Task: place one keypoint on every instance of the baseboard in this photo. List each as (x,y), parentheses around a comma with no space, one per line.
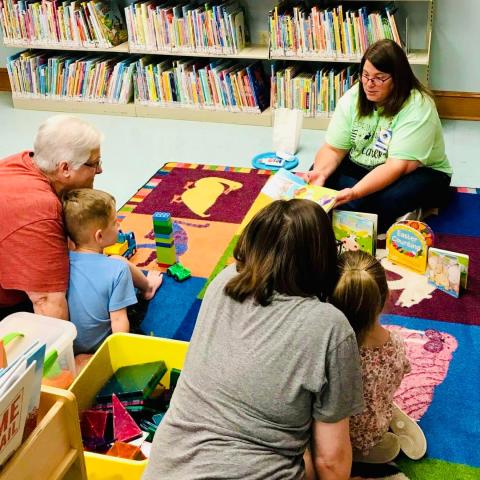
(453,105)
(458,105)
(4,81)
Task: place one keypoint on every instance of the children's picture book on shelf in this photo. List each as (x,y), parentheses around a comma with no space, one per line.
(355,230)
(408,242)
(447,270)
(15,393)
(285,185)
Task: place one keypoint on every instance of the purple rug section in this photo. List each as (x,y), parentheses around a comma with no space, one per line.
(441,306)
(220,196)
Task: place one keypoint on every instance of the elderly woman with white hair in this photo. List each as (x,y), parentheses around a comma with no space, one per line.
(33,244)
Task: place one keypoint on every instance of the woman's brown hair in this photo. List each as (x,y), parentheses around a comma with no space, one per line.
(388,57)
(288,247)
(361,291)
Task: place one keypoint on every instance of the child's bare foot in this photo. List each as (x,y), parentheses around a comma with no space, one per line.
(154,280)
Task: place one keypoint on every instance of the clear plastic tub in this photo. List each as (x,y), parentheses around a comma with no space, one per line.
(58,335)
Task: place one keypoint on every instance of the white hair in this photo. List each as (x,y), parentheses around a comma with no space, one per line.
(64,138)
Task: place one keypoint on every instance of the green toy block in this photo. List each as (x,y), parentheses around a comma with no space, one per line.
(166,256)
(162,229)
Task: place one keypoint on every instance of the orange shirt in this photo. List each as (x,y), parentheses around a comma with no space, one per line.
(33,246)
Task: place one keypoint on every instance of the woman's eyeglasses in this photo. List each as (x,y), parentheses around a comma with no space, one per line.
(377,81)
(96,165)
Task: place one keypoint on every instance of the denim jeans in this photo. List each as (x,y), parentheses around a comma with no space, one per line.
(422,188)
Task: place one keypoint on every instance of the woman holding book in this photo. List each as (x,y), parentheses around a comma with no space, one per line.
(271,367)
(384,147)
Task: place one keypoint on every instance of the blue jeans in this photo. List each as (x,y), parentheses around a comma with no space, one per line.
(422,188)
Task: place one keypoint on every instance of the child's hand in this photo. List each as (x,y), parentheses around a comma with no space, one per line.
(154,280)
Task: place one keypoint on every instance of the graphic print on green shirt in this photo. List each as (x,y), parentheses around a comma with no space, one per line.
(415,133)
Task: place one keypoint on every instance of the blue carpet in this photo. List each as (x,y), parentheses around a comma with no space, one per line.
(170,306)
(185,329)
(460,217)
(451,423)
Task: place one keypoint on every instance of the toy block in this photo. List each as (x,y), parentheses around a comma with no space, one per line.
(166,256)
(93,424)
(166,244)
(174,376)
(162,236)
(125,450)
(124,427)
(162,229)
(162,217)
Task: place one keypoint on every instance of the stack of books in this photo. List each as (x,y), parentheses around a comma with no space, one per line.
(20,381)
(95,78)
(68,23)
(192,83)
(331,33)
(316,93)
(186,27)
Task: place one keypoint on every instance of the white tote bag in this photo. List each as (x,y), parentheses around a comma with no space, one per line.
(287,124)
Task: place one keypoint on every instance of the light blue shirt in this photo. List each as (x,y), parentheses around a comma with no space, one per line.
(98,285)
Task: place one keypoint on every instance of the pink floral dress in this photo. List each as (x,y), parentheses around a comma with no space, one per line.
(383,369)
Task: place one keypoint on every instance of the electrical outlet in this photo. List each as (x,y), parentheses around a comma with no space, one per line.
(264,37)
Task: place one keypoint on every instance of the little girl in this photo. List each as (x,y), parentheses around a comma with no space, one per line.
(360,294)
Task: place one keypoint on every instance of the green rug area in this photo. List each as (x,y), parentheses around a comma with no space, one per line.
(222,263)
(431,469)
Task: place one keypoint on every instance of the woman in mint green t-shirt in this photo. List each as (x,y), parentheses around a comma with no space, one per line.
(384,147)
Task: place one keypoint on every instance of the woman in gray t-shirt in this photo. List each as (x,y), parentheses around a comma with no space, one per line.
(270,367)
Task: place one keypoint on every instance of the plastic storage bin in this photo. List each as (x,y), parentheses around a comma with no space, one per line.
(54,449)
(120,350)
(56,334)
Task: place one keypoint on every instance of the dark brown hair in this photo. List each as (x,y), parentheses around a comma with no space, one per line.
(84,209)
(388,57)
(288,247)
(361,291)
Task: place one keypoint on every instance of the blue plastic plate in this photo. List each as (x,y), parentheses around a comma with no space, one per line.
(258,161)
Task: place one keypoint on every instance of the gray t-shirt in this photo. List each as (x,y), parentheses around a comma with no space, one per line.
(252,381)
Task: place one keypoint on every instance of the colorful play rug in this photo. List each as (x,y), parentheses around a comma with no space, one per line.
(208,204)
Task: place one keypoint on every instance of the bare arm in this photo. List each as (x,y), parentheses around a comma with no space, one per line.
(327,160)
(331,450)
(119,321)
(148,284)
(51,304)
(379,178)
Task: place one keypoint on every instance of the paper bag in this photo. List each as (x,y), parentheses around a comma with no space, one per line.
(287,124)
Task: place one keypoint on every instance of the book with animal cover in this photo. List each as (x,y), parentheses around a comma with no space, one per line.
(15,392)
(285,185)
(111,21)
(355,230)
(447,271)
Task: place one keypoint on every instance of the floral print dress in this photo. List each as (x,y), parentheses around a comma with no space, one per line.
(383,369)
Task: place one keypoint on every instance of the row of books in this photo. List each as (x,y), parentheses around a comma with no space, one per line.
(217,29)
(101,78)
(315,93)
(331,33)
(218,85)
(69,23)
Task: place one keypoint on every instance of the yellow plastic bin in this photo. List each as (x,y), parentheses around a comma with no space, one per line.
(120,350)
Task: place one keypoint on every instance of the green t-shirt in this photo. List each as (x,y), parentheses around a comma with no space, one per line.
(415,133)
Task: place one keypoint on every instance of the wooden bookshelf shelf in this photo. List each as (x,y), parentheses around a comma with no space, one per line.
(263,119)
(122,48)
(416,57)
(74,106)
(254,52)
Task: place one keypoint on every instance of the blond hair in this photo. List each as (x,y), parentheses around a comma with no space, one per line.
(85,209)
(361,291)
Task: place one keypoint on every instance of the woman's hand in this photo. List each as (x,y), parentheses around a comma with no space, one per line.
(315,177)
(344,196)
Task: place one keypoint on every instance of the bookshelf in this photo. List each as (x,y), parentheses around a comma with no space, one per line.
(415,19)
